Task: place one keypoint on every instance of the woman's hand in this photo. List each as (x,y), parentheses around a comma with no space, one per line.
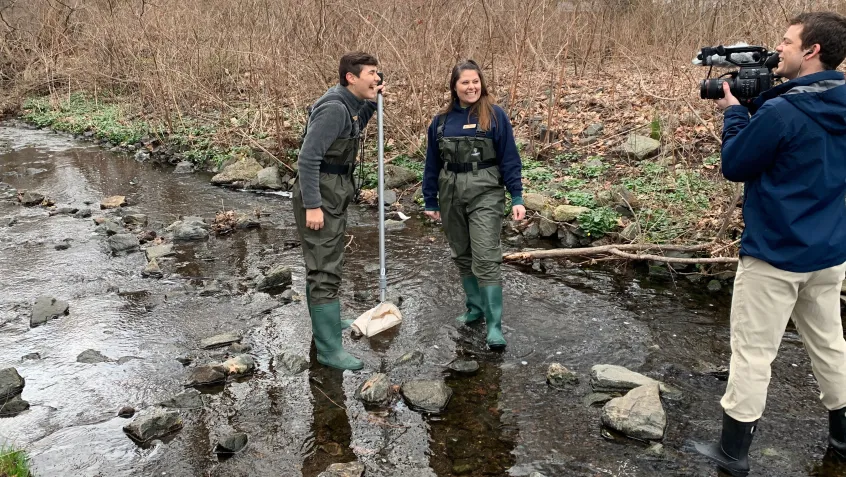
(518,212)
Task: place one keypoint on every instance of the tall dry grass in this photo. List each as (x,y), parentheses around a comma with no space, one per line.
(176,58)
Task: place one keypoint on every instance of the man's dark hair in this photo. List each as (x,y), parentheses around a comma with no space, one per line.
(353,63)
(828,29)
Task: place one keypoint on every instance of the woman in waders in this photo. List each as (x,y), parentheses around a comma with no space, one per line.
(470,161)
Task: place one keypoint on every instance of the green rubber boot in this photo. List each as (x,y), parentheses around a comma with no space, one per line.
(473,301)
(492,300)
(344,323)
(326,328)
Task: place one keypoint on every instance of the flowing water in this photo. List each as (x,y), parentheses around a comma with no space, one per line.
(504,420)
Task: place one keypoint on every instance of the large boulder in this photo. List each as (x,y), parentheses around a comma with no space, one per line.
(638,414)
(244,170)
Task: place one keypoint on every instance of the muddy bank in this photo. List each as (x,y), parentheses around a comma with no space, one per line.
(504,419)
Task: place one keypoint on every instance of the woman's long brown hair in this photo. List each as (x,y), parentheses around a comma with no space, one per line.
(483,108)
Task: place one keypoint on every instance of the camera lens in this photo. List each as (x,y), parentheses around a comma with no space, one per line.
(711,89)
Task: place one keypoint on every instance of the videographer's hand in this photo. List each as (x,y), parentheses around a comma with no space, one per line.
(728,99)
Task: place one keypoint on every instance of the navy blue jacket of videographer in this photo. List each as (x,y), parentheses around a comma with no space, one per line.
(792,156)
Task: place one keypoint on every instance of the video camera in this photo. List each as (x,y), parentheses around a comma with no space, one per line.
(754,76)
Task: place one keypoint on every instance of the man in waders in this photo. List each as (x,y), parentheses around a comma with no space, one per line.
(323,190)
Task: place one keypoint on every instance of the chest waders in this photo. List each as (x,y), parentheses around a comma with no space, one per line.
(471,196)
(323,250)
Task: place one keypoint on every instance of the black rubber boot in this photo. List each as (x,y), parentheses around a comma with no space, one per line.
(837,431)
(731,454)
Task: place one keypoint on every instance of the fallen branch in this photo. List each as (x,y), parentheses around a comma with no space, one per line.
(583,252)
(660,258)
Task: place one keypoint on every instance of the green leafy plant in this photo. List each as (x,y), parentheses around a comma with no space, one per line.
(598,222)
(13,462)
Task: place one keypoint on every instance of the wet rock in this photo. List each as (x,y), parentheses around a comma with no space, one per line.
(65,211)
(113,202)
(187,399)
(612,378)
(290,363)
(375,389)
(239,365)
(568,213)
(240,348)
(63,244)
(276,279)
(188,229)
(231,444)
(207,375)
(394,224)
(141,156)
(91,356)
(11,383)
(396,176)
(287,296)
(126,412)
(184,167)
(185,360)
(152,270)
(31,199)
(269,178)
(30,356)
(244,170)
(135,219)
(640,147)
(244,222)
(714,286)
(465,367)
(594,399)
(47,308)
(146,236)
(412,357)
(158,251)
(12,407)
(12,221)
(125,359)
(123,244)
(350,469)
(427,395)
(108,228)
(153,423)
(638,414)
(220,340)
(560,377)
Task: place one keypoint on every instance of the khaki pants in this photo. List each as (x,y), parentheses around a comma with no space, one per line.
(764,299)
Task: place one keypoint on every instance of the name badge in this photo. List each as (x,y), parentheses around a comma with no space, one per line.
(469,126)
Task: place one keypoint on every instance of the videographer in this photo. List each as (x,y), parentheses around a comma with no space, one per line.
(791,155)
